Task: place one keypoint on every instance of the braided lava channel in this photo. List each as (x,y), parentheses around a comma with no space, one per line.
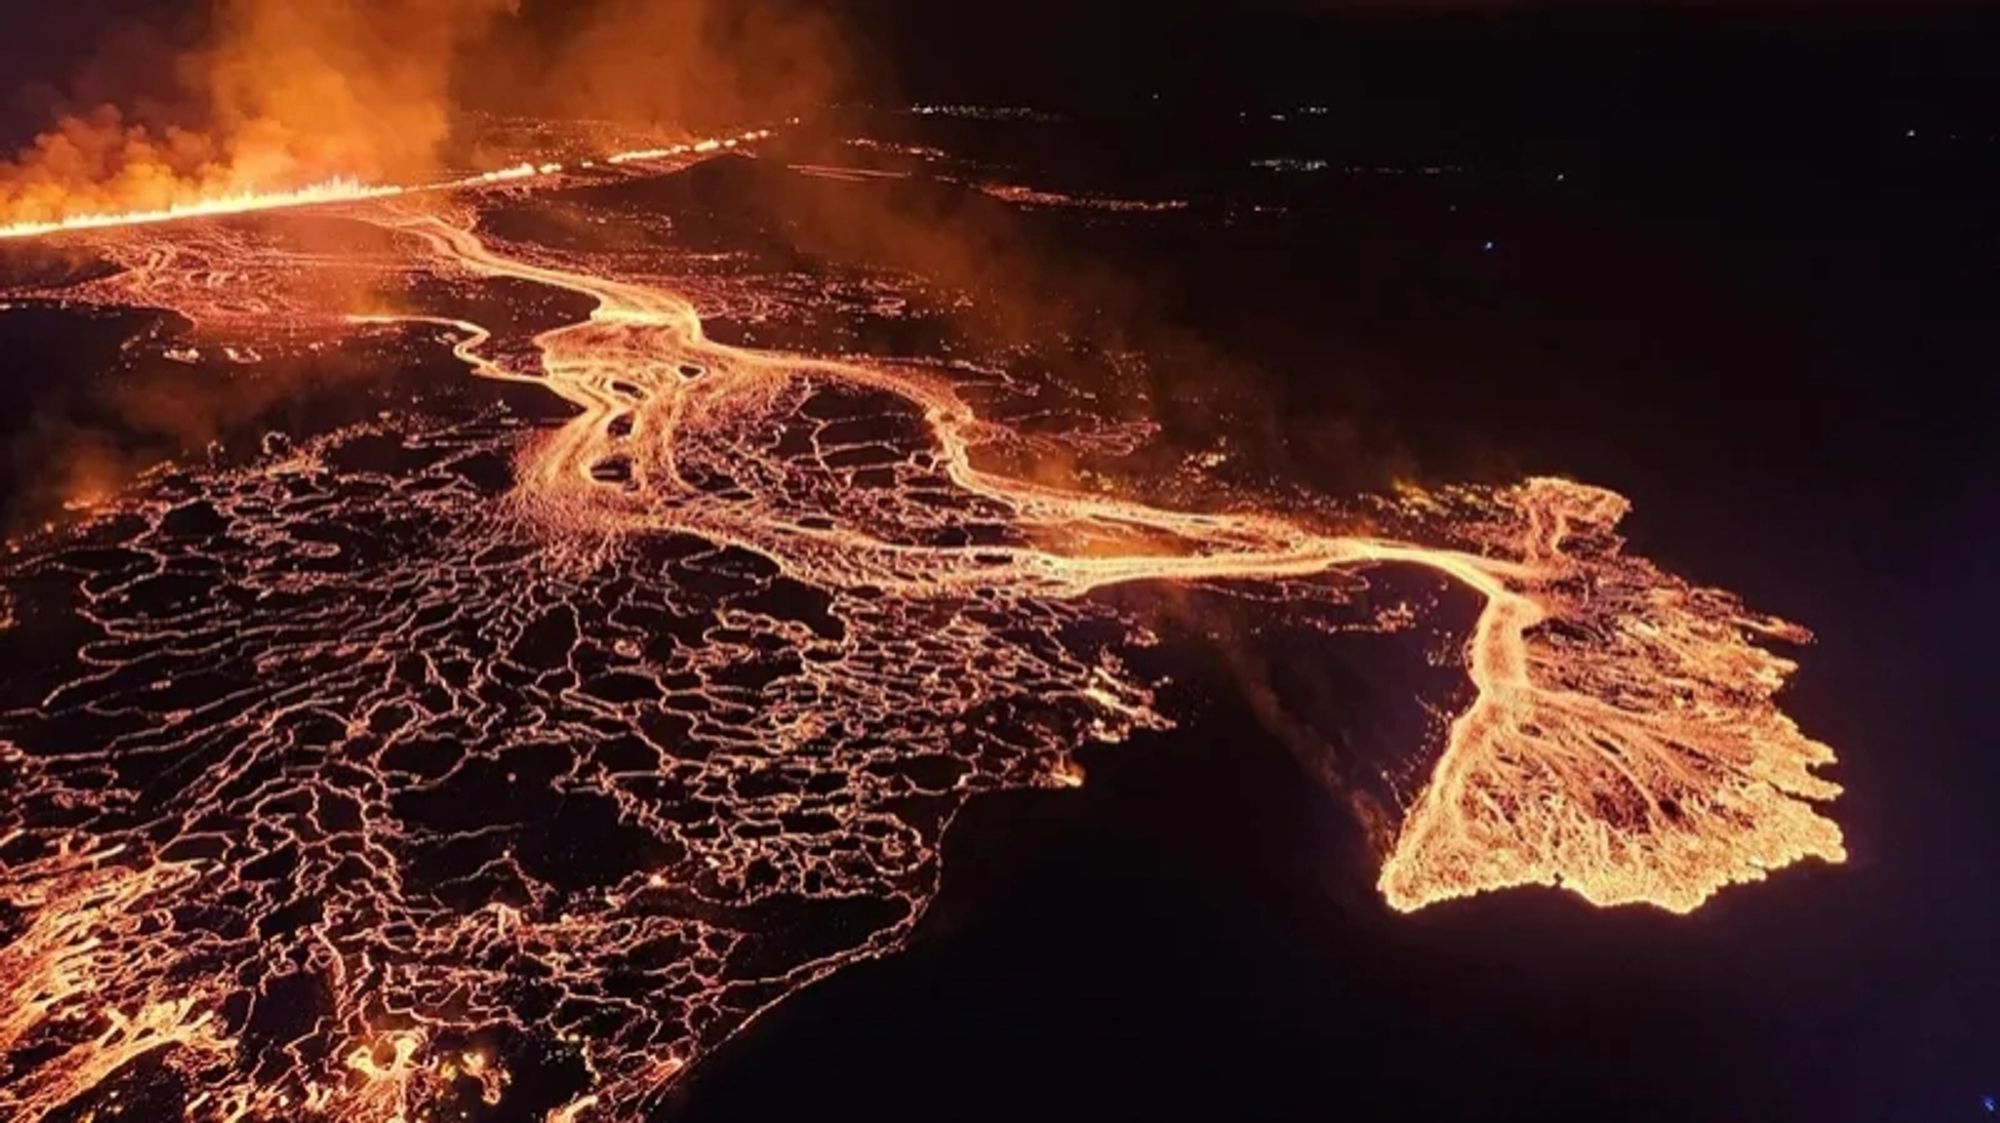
(1652,677)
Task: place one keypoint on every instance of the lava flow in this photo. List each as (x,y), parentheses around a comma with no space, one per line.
(466,759)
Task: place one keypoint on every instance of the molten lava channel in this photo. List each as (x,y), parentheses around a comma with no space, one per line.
(754,624)
(1665,696)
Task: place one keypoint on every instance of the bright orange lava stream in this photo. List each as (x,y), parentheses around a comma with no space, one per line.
(768,620)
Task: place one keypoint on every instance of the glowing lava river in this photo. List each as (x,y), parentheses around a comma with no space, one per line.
(430,764)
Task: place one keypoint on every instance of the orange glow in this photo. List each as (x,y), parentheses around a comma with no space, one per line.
(289,97)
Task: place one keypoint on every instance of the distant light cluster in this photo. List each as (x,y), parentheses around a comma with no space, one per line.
(986,112)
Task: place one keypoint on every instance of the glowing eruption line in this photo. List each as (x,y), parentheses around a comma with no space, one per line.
(331,191)
(345,190)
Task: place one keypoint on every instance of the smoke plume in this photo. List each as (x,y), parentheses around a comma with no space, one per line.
(283,94)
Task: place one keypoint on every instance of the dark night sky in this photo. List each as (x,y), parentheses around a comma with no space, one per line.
(922,41)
